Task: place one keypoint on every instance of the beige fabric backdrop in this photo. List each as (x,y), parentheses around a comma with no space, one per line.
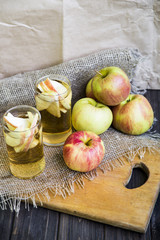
(41,33)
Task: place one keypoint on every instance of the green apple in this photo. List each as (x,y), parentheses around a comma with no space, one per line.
(134,115)
(111,86)
(89,115)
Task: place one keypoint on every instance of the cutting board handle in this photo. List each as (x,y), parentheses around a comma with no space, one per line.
(144,170)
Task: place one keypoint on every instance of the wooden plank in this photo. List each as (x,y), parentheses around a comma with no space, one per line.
(40,224)
(6,222)
(71,227)
(112,233)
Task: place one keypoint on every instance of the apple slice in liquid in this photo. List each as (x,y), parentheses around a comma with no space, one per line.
(30,116)
(48,96)
(29,136)
(54,108)
(50,88)
(62,109)
(16,125)
(16,137)
(46,86)
(34,143)
(14,122)
(12,141)
(60,89)
(66,102)
(9,125)
(52,85)
(44,100)
(41,104)
(43,87)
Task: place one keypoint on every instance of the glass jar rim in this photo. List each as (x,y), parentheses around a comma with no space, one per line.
(22,106)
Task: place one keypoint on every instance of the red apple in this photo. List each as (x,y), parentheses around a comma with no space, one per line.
(134,115)
(111,86)
(89,91)
(83,151)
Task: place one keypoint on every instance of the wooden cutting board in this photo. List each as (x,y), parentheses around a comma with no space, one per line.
(107,200)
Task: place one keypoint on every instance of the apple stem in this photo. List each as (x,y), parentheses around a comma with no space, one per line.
(98,72)
(88,143)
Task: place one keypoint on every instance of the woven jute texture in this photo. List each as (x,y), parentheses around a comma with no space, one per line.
(19,89)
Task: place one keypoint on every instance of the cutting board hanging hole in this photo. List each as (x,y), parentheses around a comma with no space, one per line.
(139,176)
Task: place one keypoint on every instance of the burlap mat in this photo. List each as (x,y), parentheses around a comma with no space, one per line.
(19,89)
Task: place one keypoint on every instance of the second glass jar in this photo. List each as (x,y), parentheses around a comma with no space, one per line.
(53,100)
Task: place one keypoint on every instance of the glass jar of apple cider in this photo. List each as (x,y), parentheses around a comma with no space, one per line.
(23,136)
(53,100)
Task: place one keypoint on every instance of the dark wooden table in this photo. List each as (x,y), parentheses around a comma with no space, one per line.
(44,224)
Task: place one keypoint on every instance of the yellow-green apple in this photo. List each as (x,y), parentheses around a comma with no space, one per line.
(134,115)
(89,115)
(111,86)
(83,151)
(89,92)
